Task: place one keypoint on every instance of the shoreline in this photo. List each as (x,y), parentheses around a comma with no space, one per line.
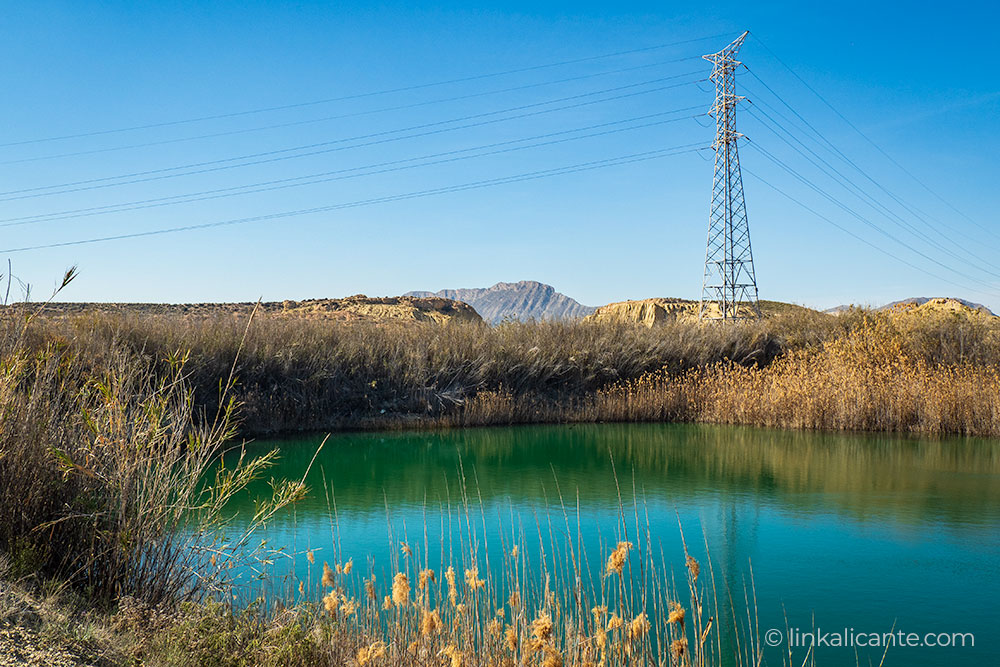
(114,422)
(929,374)
(419,425)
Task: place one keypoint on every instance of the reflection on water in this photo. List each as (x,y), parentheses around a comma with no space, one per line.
(841,530)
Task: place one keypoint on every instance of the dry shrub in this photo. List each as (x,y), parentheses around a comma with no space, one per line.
(860,370)
(934,376)
(299,374)
(108,477)
(870,379)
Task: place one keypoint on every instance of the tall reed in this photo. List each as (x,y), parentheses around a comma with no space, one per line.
(312,375)
(876,376)
(543,601)
(106,472)
(861,370)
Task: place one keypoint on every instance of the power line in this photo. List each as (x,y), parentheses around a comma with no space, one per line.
(400,107)
(355,96)
(802,179)
(913,210)
(517,178)
(823,140)
(910,208)
(875,145)
(859,192)
(90,184)
(856,236)
(340,174)
(857,215)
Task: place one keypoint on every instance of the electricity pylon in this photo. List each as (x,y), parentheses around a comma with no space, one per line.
(729,278)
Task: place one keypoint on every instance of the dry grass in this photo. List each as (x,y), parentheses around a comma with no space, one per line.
(455,617)
(308,375)
(545,605)
(873,378)
(108,476)
(621,609)
(933,377)
(861,371)
(108,484)
(112,425)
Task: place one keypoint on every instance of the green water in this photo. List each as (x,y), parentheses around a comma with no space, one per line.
(842,531)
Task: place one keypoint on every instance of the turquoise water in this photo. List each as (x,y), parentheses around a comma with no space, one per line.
(841,531)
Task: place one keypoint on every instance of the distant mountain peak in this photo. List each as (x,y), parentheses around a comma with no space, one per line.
(522,284)
(523,300)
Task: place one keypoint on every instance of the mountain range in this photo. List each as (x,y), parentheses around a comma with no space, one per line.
(524,300)
(532,300)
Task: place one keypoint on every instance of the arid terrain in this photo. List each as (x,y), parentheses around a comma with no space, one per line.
(113,412)
(359,308)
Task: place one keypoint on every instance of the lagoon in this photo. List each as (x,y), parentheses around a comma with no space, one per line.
(843,534)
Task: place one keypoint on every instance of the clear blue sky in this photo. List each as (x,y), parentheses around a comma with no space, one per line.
(915,78)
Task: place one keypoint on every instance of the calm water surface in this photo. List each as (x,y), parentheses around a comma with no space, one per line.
(841,531)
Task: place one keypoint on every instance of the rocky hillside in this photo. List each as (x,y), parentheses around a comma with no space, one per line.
(937,303)
(359,308)
(404,308)
(925,304)
(524,300)
(656,311)
(937,306)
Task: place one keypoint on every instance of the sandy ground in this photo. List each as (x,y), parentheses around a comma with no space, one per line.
(22,641)
(24,646)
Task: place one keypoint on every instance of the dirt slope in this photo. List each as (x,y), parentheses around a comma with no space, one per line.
(359,308)
(656,311)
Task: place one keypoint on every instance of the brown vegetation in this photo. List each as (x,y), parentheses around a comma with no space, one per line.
(926,370)
(112,425)
(631,613)
(300,374)
(106,470)
(873,378)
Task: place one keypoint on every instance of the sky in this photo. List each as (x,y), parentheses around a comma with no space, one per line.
(561,142)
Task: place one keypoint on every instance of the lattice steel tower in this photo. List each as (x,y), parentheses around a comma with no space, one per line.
(729,277)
